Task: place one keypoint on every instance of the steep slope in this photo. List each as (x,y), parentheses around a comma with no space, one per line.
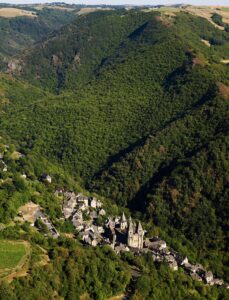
(19,33)
(151,78)
(142,119)
(69,57)
(84,129)
(47,266)
(72,56)
(178,178)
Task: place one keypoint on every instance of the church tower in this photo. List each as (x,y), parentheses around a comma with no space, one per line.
(123,224)
(130,235)
(135,235)
(140,236)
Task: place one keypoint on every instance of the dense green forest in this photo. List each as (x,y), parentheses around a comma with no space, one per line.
(132,106)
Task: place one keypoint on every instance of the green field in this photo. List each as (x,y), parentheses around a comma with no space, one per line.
(11,253)
(224,8)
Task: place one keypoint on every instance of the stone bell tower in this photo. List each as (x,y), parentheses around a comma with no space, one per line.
(140,233)
(123,224)
(130,235)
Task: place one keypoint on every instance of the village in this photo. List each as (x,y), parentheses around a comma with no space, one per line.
(95,228)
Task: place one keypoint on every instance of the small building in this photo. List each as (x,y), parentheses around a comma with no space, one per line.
(84,235)
(46,178)
(208,277)
(93,202)
(169,258)
(217,281)
(99,204)
(155,244)
(192,269)
(82,206)
(110,223)
(102,212)
(78,224)
(78,215)
(93,214)
(100,229)
(3,166)
(82,199)
(94,243)
(181,260)
(173,265)
(117,220)
(69,207)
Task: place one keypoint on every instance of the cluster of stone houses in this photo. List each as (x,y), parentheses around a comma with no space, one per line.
(125,235)
(160,252)
(118,232)
(84,212)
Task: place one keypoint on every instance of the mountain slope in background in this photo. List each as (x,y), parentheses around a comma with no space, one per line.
(19,32)
(74,55)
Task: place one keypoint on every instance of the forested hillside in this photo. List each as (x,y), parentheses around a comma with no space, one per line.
(19,32)
(133,106)
(75,54)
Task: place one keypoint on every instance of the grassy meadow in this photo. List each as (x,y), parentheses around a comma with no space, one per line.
(11,254)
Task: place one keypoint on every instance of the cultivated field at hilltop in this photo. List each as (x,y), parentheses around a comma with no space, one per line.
(201,11)
(42,6)
(88,10)
(10,12)
(207,12)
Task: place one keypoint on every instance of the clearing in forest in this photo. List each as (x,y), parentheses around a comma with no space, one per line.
(14,256)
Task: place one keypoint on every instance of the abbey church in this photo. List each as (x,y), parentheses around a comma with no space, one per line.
(125,232)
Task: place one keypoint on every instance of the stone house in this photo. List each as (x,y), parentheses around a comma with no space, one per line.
(181,260)
(217,281)
(99,204)
(192,269)
(208,277)
(69,207)
(102,212)
(47,178)
(93,202)
(155,244)
(173,265)
(82,199)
